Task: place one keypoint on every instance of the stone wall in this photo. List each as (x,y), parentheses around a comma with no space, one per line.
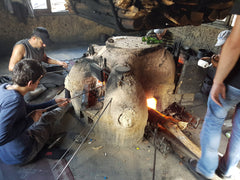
(199,37)
(63,29)
(72,29)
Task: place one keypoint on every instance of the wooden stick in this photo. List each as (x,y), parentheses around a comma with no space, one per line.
(160,118)
(174,129)
(171,125)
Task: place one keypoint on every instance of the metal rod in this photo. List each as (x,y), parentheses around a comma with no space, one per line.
(84,139)
(71,146)
(68,99)
(57,140)
(155,153)
(66,151)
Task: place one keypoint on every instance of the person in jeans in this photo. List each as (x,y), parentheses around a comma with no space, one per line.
(225,94)
(25,128)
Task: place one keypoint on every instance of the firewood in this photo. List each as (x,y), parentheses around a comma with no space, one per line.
(174,129)
(172,125)
(162,119)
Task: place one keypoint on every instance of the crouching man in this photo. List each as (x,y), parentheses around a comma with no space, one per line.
(23,134)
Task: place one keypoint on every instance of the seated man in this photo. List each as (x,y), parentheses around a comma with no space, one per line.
(33,48)
(24,129)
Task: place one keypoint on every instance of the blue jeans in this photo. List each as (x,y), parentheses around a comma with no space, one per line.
(211,135)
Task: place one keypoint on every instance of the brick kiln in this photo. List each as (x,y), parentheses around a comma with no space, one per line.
(128,71)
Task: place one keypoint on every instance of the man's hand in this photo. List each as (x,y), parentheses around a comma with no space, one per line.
(53,61)
(218,89)
(62,101)
(36,115)
(214,60)
(63,64)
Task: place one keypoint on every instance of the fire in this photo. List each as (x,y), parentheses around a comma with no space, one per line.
(152,103)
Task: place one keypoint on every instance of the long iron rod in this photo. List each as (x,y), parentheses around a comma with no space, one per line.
(70,146)
(155,153)
(84,139)
(66,151)
(68,99)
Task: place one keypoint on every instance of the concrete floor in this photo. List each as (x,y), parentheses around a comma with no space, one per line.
(96,159)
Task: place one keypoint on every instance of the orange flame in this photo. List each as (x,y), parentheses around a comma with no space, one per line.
(152,103)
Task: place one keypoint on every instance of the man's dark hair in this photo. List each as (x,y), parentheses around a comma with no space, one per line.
(27,70)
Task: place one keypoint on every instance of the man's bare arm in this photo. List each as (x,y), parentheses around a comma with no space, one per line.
(229,57)
(53,61)
(17,54)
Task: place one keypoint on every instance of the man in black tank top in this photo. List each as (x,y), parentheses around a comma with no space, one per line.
(33,48)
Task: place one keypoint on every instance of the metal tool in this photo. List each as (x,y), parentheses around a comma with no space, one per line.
(55,142)
(155,152)
(81,143)
(67,100)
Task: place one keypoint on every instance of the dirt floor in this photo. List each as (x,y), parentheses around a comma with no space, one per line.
(95,159)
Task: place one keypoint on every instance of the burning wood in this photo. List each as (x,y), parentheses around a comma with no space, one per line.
(161,120)
(174,126)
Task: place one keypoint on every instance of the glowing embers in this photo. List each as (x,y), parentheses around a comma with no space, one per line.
(152,103)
